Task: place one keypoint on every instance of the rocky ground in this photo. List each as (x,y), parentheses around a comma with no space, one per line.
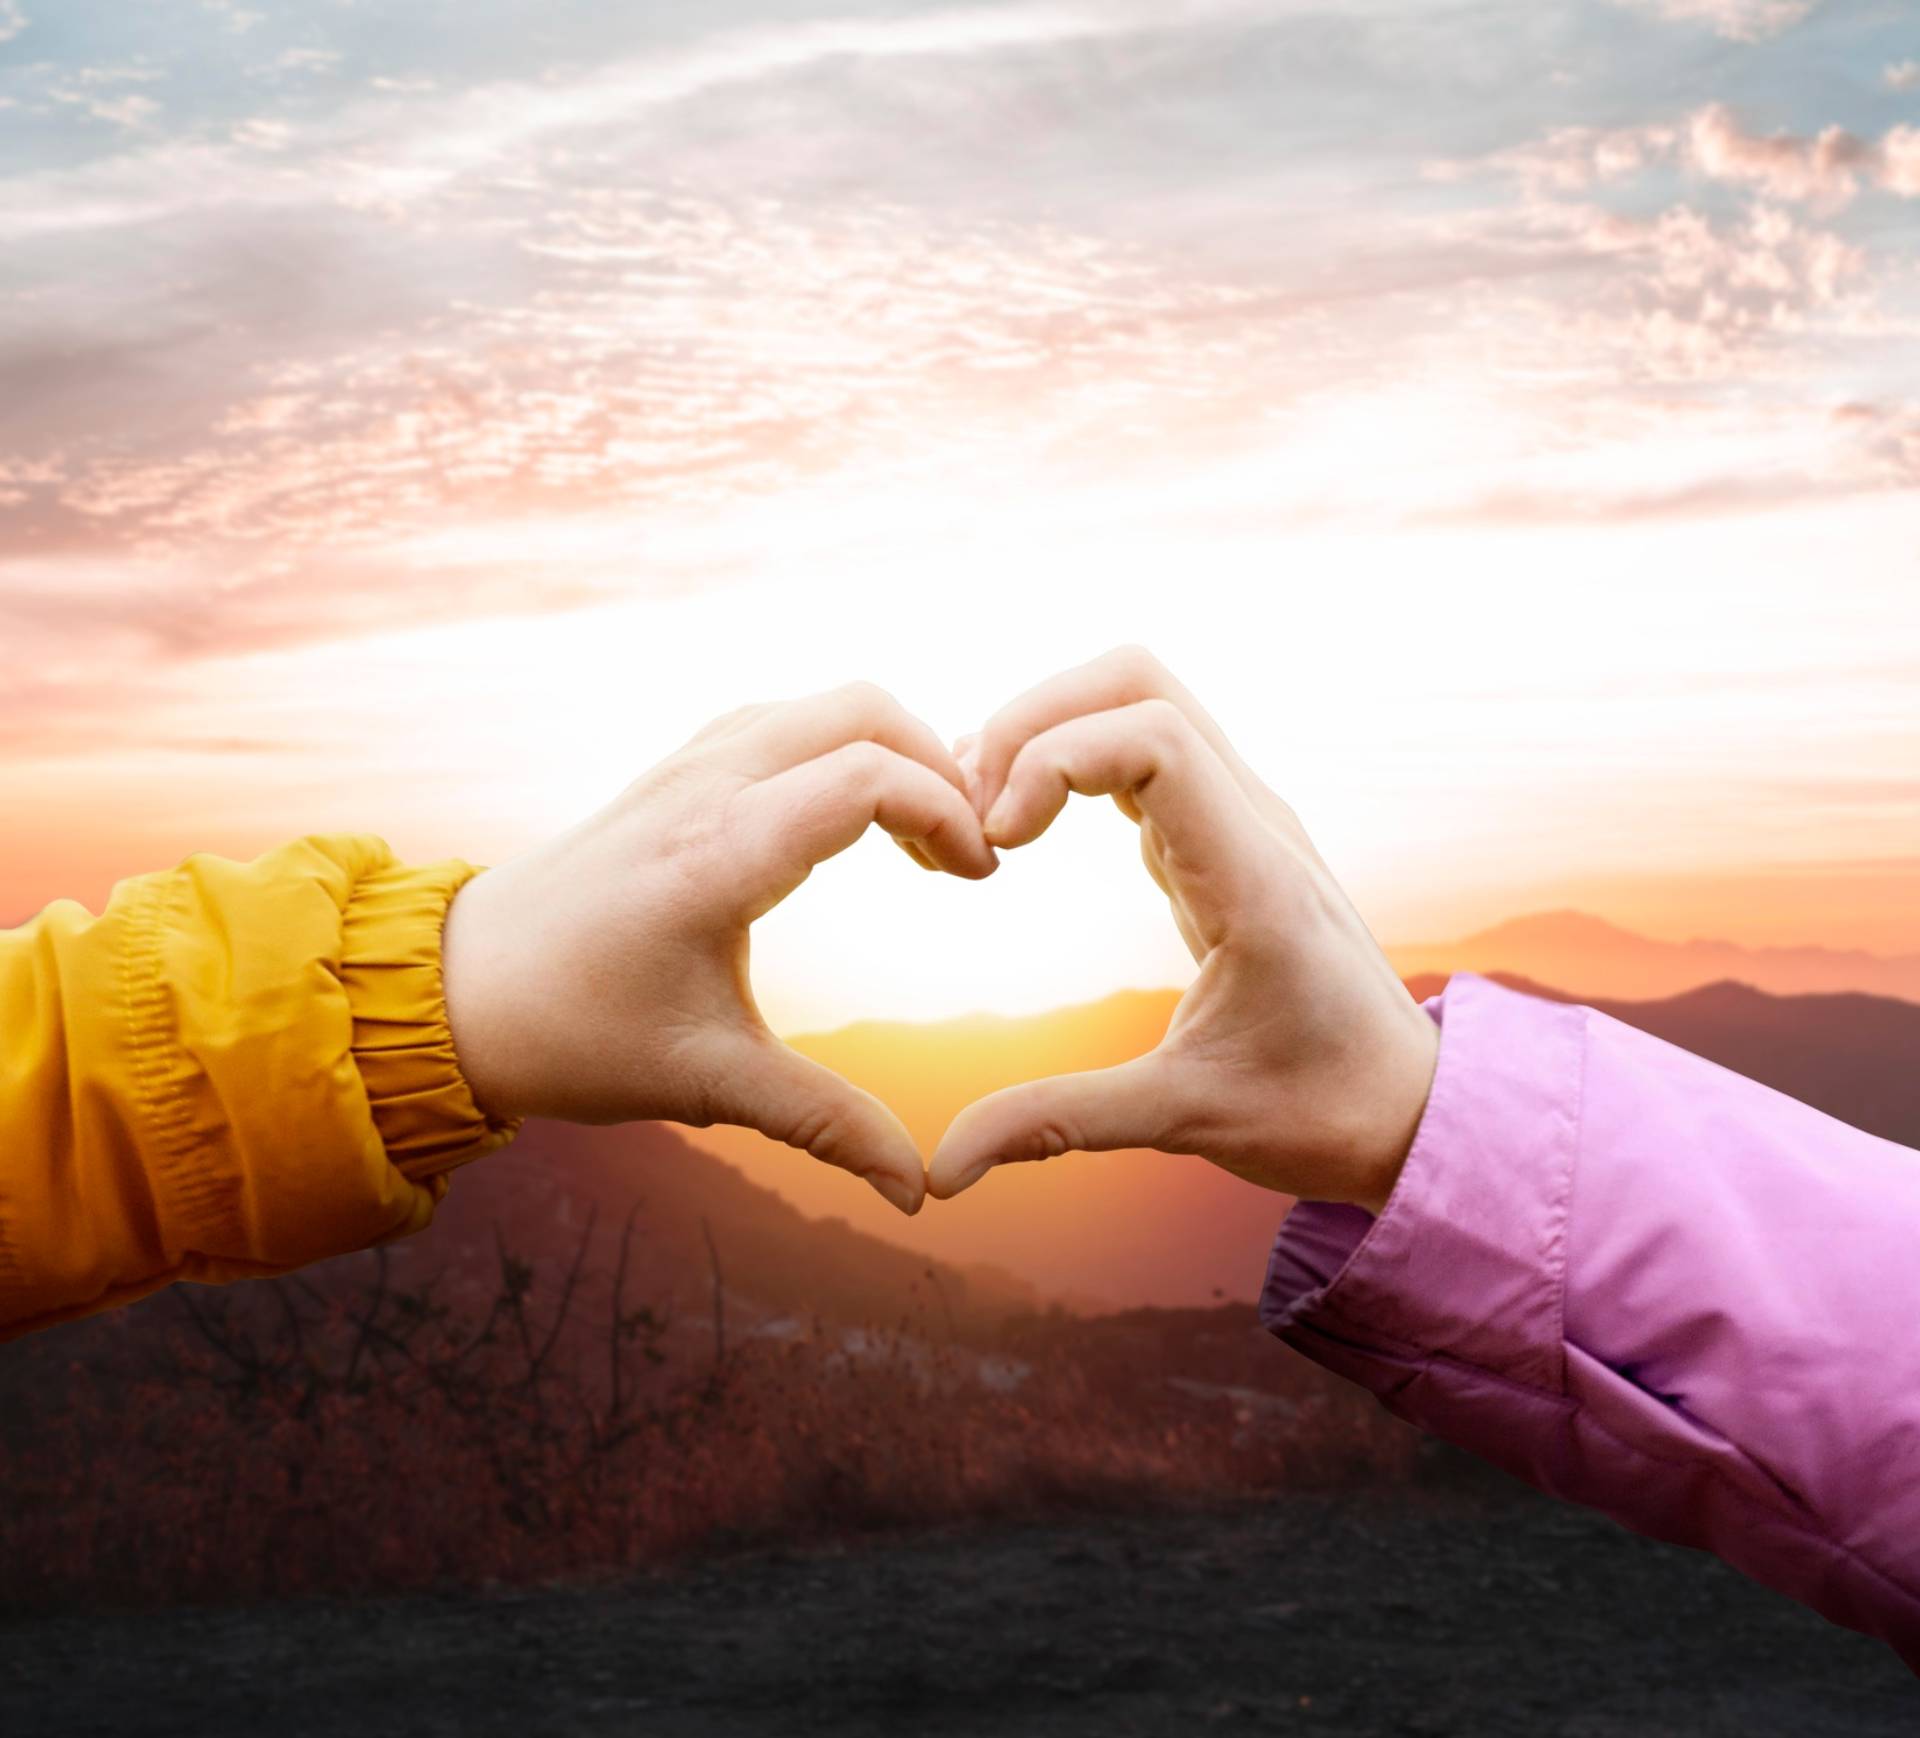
(1476,1612)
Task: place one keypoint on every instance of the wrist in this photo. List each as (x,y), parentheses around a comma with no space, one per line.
(471,971)
(1416,1061)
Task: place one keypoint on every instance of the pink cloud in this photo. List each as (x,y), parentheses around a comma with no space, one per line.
(1825,170)
(1572,159)
(1737,20)
(1887,437)
(674,353)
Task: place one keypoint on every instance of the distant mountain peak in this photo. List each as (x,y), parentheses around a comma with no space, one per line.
(1589,956)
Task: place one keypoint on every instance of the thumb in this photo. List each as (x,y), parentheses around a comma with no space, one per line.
(792,1099)
(1099,1111)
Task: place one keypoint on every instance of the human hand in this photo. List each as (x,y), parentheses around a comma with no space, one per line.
(602,977)
(1296,1060)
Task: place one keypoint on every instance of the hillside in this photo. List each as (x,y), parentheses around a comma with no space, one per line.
(1139,1228)
(774,1260)
(1107,1230)
(1569,947)
(1855,1057)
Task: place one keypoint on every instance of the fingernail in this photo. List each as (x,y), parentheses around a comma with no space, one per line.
(997,818)
(898,1193)
(967,1178)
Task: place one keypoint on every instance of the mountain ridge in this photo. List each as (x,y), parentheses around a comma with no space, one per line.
(1140,1228)
(1605,959)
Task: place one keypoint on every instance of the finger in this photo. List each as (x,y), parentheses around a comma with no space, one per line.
(818,810)
(1153,855)
(1120,678)
(966,752)
(1100,1111)
(1152,851)
(910,849)
(774,739)
(794,1100)
(1148,753)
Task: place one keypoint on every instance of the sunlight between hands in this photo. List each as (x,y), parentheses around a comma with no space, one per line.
(603,976)
(1296,1060)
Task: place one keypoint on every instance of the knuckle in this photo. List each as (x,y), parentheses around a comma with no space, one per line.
(865,699)
(1053,1138)
(1167,723)
(1137,664)
(678,784)
(998,744)
(696,835)
(815,1128)
(727,724)
(1031,757)
(865,762)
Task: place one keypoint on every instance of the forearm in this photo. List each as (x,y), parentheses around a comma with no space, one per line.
(1649,1285)
(232,1070)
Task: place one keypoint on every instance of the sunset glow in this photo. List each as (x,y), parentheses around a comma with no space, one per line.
(1506,417)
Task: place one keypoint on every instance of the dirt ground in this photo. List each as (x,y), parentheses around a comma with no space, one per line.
(1477,1613)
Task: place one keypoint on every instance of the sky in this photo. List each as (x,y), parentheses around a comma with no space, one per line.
(418,418)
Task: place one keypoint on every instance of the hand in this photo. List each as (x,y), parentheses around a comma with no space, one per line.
(602,977)
(1297,1060)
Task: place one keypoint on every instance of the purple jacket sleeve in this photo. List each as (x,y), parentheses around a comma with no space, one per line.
(1644,1283)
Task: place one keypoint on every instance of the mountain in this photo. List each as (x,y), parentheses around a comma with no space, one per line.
(1569,947)
(1098,1230)
(1855,1057)
(775,1260)
(1141,1228)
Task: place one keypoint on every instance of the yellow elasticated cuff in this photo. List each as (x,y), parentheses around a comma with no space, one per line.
(402,1042)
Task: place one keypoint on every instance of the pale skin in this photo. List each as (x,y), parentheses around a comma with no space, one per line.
(1296,1060)
(602,977)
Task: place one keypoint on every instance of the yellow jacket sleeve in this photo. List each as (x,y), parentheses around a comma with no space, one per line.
(235,1069)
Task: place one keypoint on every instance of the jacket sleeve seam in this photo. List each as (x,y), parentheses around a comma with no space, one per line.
(1564,1253)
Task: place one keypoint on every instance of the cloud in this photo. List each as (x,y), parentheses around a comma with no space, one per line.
(131,110)
(1569,159)
(1825,170)
(665,362)
(408,144)
(439,352)
(1887,436)
(1737,20)
(238,18)
(1687,291)
(1701,299)
(1687,458)
(13,20)
(1902,75)
(99,91)
(669,346)
(297,60)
